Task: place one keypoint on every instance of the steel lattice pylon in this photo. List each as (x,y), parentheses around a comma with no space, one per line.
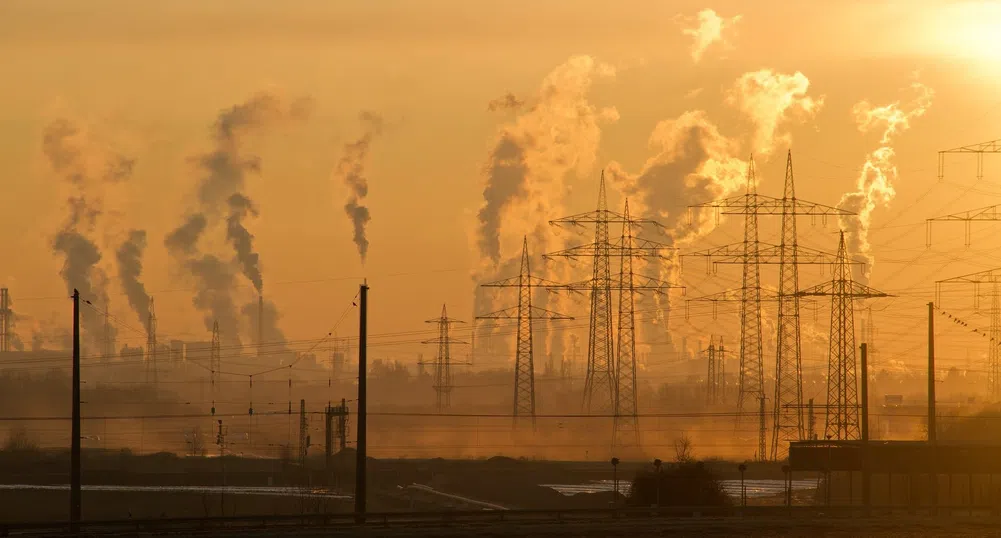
(526,315)
(842,377)
(598,380)
(751,385)
(788,255)
(992,277)
(787,417)
(716,372)
(443,360)
(626,426)
(622,367)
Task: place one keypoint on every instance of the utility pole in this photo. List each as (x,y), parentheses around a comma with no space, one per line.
(6,321)
(864,355)
(220,440)
(151,369)
(932,434)
(526,315)
(360,463)
(75,497)
(443,360)
(762,428)
(303,433)
(842,380)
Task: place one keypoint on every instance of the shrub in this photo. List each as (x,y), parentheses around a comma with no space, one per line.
(684,484)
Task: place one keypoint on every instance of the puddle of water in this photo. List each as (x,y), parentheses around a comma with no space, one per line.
(755,488)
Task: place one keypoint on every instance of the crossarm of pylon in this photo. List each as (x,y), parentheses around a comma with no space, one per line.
(641,248)
(855,290)
(537,314)
(766,205)
(736,295)
(767,254)
(989,213)
(641,283)
(439,340)
(515,282)
(991,146)
(990,276)
(447,320)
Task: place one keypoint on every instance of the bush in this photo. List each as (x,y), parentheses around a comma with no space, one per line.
(684,484)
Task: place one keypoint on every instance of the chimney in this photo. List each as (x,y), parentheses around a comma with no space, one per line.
(260,323)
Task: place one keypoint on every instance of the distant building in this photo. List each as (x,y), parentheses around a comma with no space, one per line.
(177,351)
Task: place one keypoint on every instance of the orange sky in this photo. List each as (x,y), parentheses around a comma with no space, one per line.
(148,80)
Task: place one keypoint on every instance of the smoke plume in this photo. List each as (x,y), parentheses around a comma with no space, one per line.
(224,202)
(242,240)
(270,332)
(87,170)
(351,171)
(705,29)
(527,167)
(130,266)
(508,101)
(770,99)
(874,186)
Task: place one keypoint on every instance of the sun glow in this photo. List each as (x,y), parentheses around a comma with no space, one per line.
(968,29)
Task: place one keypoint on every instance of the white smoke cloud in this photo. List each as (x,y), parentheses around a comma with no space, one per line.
(705,29)
(526,173)
(874,186)
(771,99)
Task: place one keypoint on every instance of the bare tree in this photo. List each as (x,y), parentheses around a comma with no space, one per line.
(684,449)
(196,442)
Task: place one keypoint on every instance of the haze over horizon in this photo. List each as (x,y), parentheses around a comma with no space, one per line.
(416,145)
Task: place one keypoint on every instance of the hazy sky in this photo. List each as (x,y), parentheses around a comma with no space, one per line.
(148,81)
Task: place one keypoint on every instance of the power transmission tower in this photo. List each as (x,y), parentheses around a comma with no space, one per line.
(993,146)
(842,380)
(712,376)
(214,362)
(6,333)
(619,374)
(151,369)
(787,416)
(526,315)
(992,277)
(443,361)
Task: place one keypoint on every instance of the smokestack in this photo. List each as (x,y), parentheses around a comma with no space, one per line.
(260,323)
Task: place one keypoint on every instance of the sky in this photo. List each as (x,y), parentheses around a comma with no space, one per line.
(387,105)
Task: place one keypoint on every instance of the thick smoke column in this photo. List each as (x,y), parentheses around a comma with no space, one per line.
(242,240)
(527,173)
(130,267)
(87,169)
(351,171)
(771,99)
(705,29)
(527,167)
(223,201)
(874,186)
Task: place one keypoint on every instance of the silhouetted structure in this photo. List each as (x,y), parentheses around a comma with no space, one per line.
(443,360)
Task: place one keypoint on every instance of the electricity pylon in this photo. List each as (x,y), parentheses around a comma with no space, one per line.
(842,380)
(443,360)
(716,372)
(151,369)
(526,314)
(600,379)
(787,417)
(992,277)
(993,146)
